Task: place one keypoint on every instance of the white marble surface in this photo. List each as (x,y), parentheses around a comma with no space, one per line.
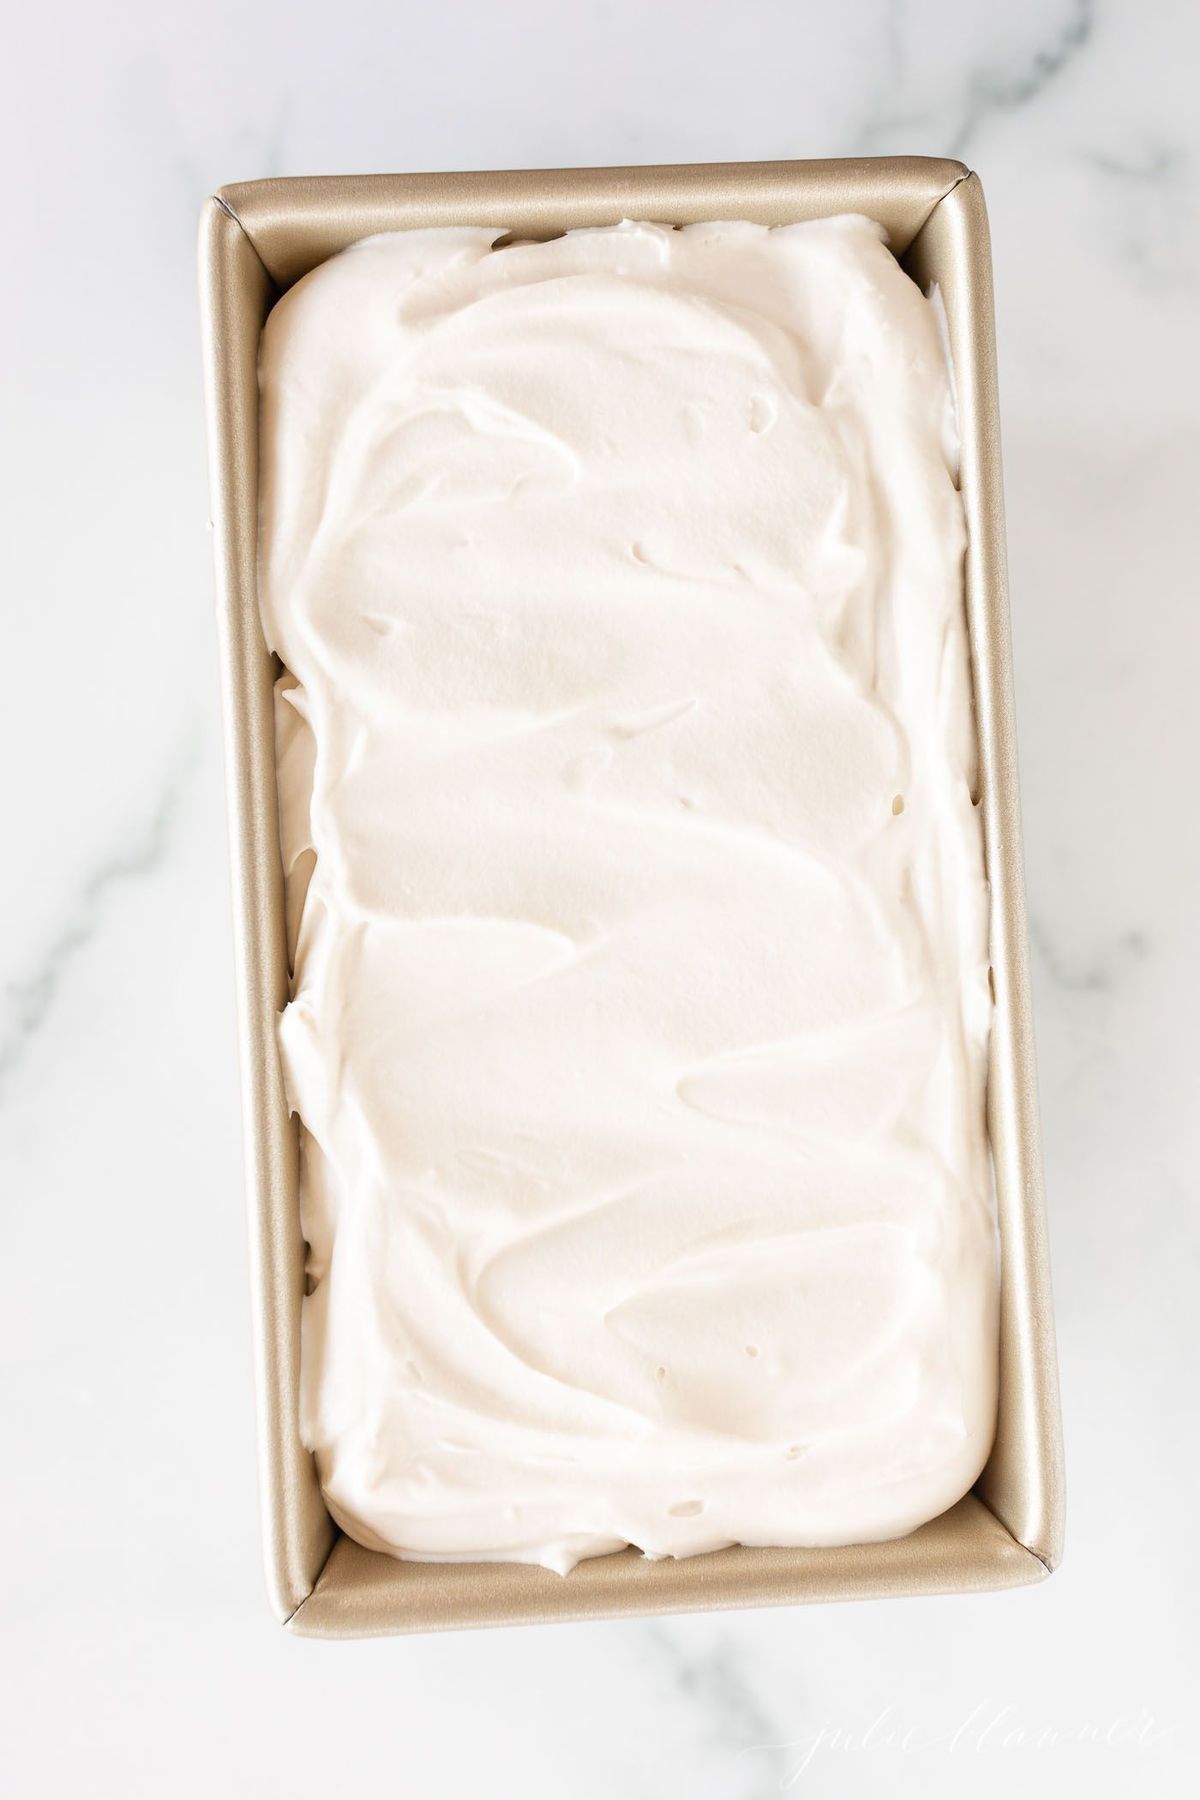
(140,1658)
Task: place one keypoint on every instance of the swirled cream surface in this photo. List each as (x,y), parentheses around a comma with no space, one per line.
(635,891)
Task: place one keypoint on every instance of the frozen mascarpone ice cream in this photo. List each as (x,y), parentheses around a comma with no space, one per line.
(635,891)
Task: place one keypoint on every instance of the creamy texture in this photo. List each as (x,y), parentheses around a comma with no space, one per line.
(635,891)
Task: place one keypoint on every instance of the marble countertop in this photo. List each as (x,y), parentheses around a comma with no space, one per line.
(141,1659)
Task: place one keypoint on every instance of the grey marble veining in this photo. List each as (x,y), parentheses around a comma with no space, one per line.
(713,1682)
(992,90)
(29,998)
(906,102)
(1097,970)
(141,1656)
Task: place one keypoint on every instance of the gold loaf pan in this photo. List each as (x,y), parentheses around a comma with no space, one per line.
(256,239)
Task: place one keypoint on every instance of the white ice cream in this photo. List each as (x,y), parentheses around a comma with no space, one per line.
(640,1007)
